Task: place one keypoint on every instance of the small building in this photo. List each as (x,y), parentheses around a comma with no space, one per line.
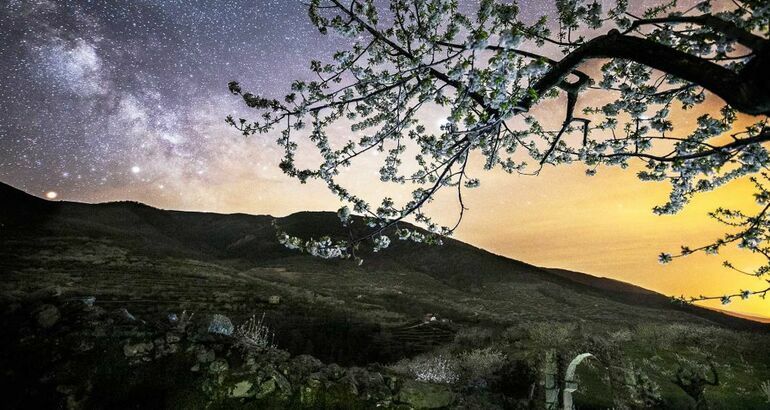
(274,300)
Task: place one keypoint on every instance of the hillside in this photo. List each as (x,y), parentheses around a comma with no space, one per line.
(98,302)
(242,247)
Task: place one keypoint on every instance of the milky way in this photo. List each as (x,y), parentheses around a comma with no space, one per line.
(127,93)
(108,97)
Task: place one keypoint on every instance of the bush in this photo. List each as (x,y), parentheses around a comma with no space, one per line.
(254,334)
(481,363)
(551,333)
(622,335)
(431,369)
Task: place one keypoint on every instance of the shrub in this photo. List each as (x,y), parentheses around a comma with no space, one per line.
(432,369)
(622,335)
(254,334)
(481,363)
(551,333)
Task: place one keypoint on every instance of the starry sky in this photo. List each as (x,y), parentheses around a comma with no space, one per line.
(126,99)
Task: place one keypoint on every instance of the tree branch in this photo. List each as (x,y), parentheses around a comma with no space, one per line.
(746,93)
(728,28)
(763,137)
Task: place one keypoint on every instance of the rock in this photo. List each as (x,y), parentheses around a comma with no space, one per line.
(162,348)
(137,349)
(267,388)
(368,384)
(204,355)
(221,324)
(125,315)
(242,389)
(83,345)
(334,372)
(392,382)
(425,395)
(275,385)
(47,316)
(218,366)
(304,365)
(89,300)
(310,393)
(345,388)
(172,338)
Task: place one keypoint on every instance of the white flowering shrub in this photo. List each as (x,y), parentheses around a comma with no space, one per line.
(481,363)
(255,334)
(434,369)
(486,74)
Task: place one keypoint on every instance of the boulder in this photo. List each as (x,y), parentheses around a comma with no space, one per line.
(218,366)
(47,316)
(303,365)
(266,388)
(275,384)
(204,355)
(242,389)
(311,392)
(137,349)
(221,324)
(125,316)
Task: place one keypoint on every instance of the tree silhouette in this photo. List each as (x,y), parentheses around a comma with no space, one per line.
(487,70)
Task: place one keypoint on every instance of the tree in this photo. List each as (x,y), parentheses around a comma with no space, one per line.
(487,70)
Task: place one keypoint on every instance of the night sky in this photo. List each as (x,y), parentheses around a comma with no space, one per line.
(103,96)
(132,94)
(126,99)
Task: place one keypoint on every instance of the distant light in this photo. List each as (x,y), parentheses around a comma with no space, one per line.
(135,169)
(51,195)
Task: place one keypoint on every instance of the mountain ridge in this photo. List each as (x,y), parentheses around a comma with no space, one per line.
(243,240)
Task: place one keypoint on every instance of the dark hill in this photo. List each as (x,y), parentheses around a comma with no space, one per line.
(128,250)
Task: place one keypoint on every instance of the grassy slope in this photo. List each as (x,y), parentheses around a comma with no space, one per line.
(457,277)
